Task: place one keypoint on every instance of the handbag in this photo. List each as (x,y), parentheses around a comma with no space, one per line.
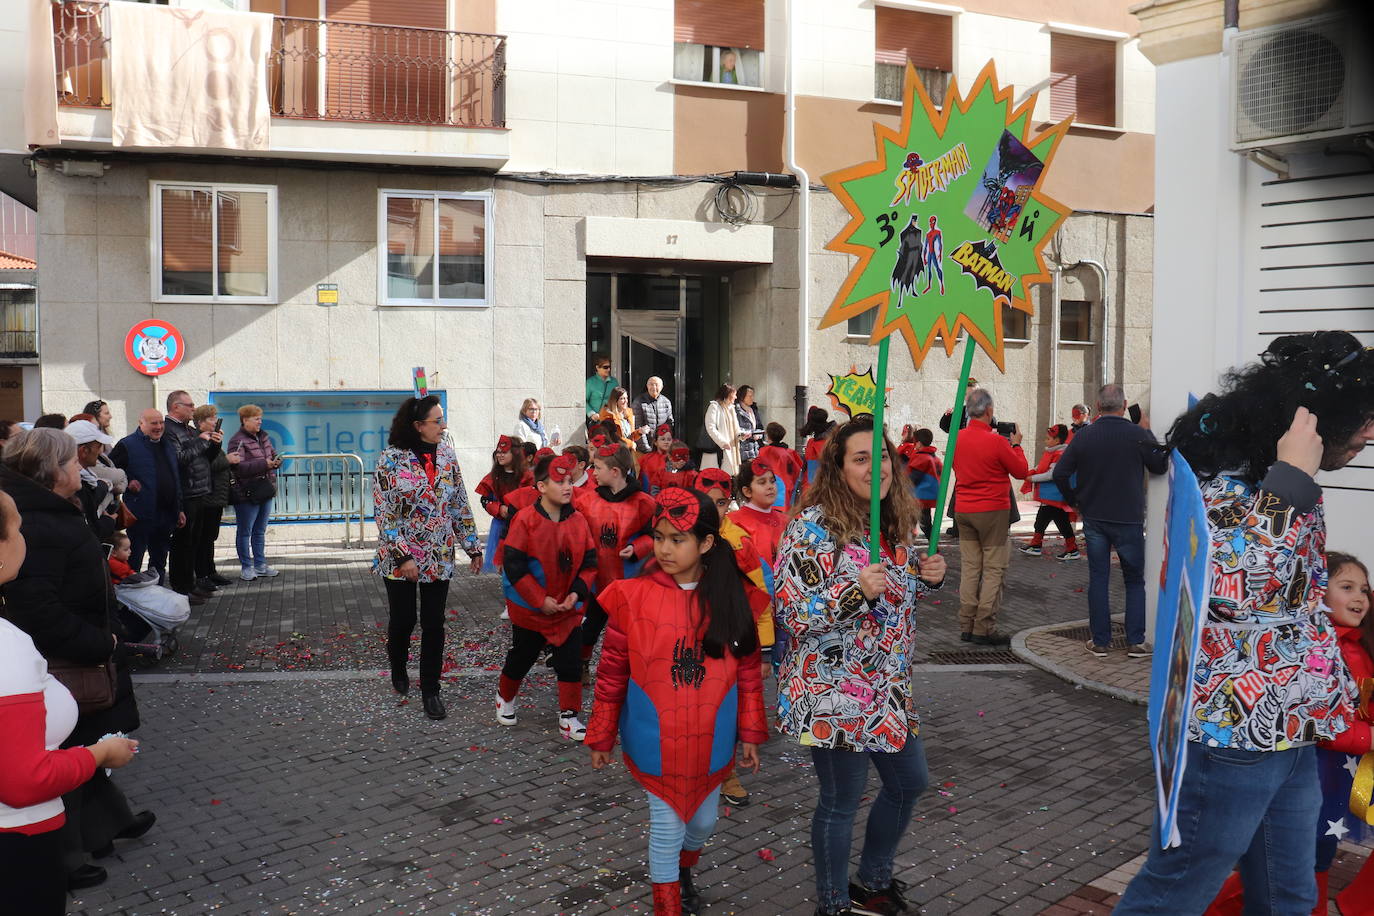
(259,489)
(124,518)
(92,686)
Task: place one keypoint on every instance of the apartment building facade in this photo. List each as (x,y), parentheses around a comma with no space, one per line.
(496,190)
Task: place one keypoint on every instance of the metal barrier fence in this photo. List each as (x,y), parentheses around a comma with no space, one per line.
(323,487)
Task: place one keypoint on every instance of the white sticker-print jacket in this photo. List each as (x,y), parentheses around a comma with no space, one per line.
(845,680)
(427,523)
(1269,675)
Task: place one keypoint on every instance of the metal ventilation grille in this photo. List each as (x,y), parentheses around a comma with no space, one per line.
(1290,81)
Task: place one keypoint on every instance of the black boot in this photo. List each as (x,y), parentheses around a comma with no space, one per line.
(691,898)
(434,707)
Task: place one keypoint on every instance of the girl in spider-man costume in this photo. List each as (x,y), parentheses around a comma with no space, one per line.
(653,465)
(618,513)
(784,462)
(508,474)
(680,680)
(547,573)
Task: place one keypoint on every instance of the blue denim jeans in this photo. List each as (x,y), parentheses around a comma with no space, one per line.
(1252,807)
(843,777)
(1129,543)
(669,835)
(251,537)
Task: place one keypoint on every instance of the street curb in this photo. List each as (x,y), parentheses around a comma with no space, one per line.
(1020,650)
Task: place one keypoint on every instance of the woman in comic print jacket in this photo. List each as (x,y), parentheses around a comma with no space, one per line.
(844,687)
(422,519)
(1269,681)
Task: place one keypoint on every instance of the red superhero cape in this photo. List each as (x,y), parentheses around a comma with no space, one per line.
(544,557)
(678,711)
(651,469)
(615,520)
(786,465)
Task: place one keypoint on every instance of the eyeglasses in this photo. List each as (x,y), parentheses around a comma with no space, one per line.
(184,404)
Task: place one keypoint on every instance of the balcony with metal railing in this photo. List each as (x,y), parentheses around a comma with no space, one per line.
(345,90)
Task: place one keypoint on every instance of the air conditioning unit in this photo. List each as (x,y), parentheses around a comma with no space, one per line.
(1301,81)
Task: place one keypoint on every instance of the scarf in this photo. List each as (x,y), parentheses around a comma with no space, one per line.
(538,427)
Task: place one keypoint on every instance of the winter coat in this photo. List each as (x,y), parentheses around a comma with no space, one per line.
(426,523)
(845,680)
(63,599)
(924,469)
(524,432)
(722,426)
(680,723)
(137,455)
(596,392)
(545,557)
(1041,480)
(653,413)
(617,520)
(193,455)
(255,452)
(221,477)
(981,465)
(751,424)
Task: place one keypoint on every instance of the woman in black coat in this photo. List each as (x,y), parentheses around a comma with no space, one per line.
(63,599)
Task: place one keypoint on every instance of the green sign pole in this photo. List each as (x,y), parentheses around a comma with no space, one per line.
(956,420)
(875,502)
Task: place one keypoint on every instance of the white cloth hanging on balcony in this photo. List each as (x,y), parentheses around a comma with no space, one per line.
(189,78)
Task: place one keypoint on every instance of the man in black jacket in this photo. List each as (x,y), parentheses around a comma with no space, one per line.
(1102,475)
(195,451)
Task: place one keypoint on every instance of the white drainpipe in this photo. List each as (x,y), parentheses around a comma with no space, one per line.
(803,223)
(1054,344)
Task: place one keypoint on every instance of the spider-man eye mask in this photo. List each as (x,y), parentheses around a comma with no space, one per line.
(678,507)
(607,451)
(542,452)
(503,445)
(711,478)
(561,468)
(595,441)
(760,466)
(663,430)
(680,454)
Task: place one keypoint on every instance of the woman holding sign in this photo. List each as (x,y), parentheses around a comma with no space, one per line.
(1269,678)
(845,682)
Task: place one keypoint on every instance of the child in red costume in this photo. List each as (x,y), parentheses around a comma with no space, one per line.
(683,635)
(618,514)
(120,551)
(1053,507)
(818,426)
(717,486)
(653,466)
(676,470)
(909,444)
(1344,760)
(784,462)
(549,565)
(507,474)
(924,469)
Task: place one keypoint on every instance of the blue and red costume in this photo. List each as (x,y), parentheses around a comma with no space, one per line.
(787,466)
(616,520)
(924,470)
(492,490)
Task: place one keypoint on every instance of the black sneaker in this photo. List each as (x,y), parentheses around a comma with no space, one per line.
(889,901)
(991,639)
(851,910)
(1031,550)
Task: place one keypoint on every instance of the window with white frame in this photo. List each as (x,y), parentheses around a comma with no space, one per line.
(926,40)
(214,242)
(435,248)
(718,41)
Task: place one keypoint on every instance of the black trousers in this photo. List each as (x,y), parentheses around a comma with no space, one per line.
(211,517)
(96,811)
(400,597)
(525,646)
(927,523)
(32,880)
(154,539)
(1055,515)
(593,622)
(182,574)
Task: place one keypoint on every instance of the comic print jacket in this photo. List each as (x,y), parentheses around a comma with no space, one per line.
(617,520)
(429,523)
(543,557)
(1269,675)
(678,711)
(845,679)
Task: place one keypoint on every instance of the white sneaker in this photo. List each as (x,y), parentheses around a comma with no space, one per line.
(248,575)
(505,711)
(504,615)
(265,572)
(570,727)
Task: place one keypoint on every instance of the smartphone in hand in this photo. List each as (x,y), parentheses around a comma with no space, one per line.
(219,425)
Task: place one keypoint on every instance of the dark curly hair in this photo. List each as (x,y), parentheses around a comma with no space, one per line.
(1237,431)
(412,410)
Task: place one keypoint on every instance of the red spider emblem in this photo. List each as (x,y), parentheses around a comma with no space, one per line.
(503,445)
(561,468)
(679,507)
(610,534)
(689,664)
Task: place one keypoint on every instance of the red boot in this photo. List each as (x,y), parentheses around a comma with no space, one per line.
(1358,898)
(1230,900)
(668,899)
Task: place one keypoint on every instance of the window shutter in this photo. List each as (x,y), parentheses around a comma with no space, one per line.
(380,74)
(1084,74)
(723,23)
(925,39)
(415,14)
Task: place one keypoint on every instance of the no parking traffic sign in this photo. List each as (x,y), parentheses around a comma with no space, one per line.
(154,347)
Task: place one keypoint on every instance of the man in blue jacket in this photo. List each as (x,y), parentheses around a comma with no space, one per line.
(154,494)
(1111,456)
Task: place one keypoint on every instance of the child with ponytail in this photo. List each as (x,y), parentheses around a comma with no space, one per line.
(507,475)
(684,635)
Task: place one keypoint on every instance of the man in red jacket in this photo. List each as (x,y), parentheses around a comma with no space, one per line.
(982,513)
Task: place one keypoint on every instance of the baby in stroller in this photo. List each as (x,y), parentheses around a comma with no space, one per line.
(150,612)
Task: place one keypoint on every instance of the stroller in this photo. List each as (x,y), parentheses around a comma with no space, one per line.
(151,614)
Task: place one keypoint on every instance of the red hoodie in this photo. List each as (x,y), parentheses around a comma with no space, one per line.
(1356,738)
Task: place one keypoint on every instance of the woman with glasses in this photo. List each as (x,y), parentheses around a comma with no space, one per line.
(599,388)
(530,426)
(252,488)
(423,518)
